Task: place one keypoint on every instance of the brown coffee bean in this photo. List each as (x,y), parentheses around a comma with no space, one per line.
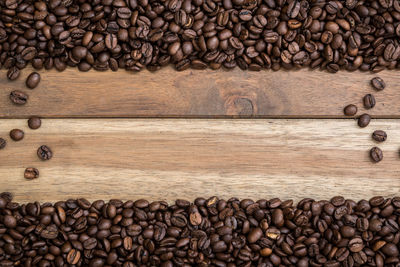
(44,153)
(16,134)
(3,143)
(31,173)
(376,154)
(378,83)
(356,244)
(13,73)
(379,136)
(369,101)
(73,256)
(33,80)
(350,110)
(364,120)
(34,123)
(18,97)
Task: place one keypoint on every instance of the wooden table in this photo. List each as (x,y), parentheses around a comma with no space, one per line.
(169,135)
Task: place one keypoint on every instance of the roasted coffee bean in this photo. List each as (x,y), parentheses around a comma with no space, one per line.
(3,143)
(44,153)
(378,83)
(31,173)
(369,101)
(350,110)
(34,123)
(33,80)
(16,134)
(364,120)
(13,73)
(376,154)
(379,136)
(18,97)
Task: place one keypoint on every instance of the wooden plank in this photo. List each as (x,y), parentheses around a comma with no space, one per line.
(185,158)
(207,93)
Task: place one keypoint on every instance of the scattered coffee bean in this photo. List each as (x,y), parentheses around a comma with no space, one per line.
(339,232)
(18,97)
(44,153)
(376,154)
(33,80)
(369,101)
(350,110)
(364,120)
(3,143)
(34,123)
(13,73)
(378,83)
(16,134)
(379,136)
(31,173)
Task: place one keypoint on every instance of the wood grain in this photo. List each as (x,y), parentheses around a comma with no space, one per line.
(207,94)
(184,158)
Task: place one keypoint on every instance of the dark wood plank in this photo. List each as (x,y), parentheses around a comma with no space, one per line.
(167,93)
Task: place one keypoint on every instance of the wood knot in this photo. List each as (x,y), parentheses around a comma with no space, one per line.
(239,106)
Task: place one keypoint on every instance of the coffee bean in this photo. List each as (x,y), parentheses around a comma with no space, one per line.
(31,173)
(16,134)
(350,110)
(379,136)
(376,154)
(3,143)
(34,123)
(369,101)
(33,80)
(13,73)
(44,153)
(364,120)
(73,256)
(18,97)
(378,83)
(356,244)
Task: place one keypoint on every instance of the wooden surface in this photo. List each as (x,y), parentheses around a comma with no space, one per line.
(207,93)
(184,158)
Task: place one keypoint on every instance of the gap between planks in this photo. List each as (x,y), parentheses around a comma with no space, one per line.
(199,94)
(169,159)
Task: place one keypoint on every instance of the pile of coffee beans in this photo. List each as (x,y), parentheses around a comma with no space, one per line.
(378,84)
(207,232)
(250,34)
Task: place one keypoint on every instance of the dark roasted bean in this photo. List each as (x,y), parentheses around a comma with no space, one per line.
(379,136)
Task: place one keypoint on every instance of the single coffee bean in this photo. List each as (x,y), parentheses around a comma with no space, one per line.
(378,83)
(379,136)
(31,173)
(3,143)
(74,256)
(13,73)
(16,134)
(33,80)
(44,153)
(376,154)
(369,101)
(364,120)
(18,97)
(34,123)
(350,110)
(356,244)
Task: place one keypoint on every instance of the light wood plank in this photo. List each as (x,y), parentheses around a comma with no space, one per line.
(184,158)
(207,93)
